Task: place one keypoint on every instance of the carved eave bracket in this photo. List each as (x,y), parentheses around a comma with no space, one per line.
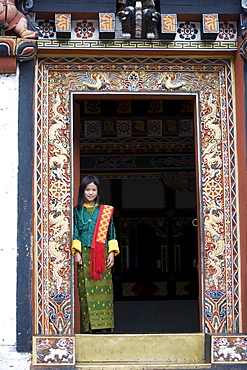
(243,50)
(13,49)
(244,5)
(243,46)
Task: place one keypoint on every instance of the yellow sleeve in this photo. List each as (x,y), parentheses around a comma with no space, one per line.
(113,246)
(76,246)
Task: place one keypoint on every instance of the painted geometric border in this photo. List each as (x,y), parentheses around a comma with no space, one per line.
(211,82)
(137,44)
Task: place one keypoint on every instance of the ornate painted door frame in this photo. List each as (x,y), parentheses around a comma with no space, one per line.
(211,81)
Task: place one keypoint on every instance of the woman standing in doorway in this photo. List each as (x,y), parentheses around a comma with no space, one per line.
(94,247)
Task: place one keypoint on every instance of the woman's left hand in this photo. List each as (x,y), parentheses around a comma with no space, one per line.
(110,260)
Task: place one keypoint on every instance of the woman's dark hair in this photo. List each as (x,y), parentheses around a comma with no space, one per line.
(84,182)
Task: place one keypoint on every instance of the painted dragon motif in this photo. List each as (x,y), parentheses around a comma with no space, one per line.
(60,227)
(210,154)
(212,224)
(57,161)
(214,218)
(56,216)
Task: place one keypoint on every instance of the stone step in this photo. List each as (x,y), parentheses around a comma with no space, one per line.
(142,366)
(141,351)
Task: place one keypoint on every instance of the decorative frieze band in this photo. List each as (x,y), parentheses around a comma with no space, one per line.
(140,45)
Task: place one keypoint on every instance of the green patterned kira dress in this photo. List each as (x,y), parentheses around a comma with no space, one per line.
(96,296)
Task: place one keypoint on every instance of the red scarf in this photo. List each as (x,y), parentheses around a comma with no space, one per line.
(97,253)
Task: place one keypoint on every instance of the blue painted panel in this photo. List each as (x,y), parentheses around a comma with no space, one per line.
(92,6)
(201,6)
(25,207)
(176,6)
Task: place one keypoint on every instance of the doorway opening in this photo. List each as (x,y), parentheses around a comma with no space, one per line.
(143,152)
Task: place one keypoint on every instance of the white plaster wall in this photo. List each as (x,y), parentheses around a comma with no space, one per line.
(9,358)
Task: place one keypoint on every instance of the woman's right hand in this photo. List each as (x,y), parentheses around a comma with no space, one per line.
(78,258)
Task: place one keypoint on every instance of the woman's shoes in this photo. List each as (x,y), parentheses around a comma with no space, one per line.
(98,331)
(102,331)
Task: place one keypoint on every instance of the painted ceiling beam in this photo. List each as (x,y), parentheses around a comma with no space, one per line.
(92,6)
(175,6)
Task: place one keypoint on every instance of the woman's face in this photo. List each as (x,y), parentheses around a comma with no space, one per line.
(90,193)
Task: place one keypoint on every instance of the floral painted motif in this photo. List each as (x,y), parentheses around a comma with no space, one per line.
(91,107)
(124,106)
(154,127)
(84,29)
(92,128)
(46,29)
(228,31)
(187,31)
(185,127)
(155,106)
(124,127)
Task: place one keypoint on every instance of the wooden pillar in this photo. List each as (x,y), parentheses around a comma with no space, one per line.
(76,182)
(241,106)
